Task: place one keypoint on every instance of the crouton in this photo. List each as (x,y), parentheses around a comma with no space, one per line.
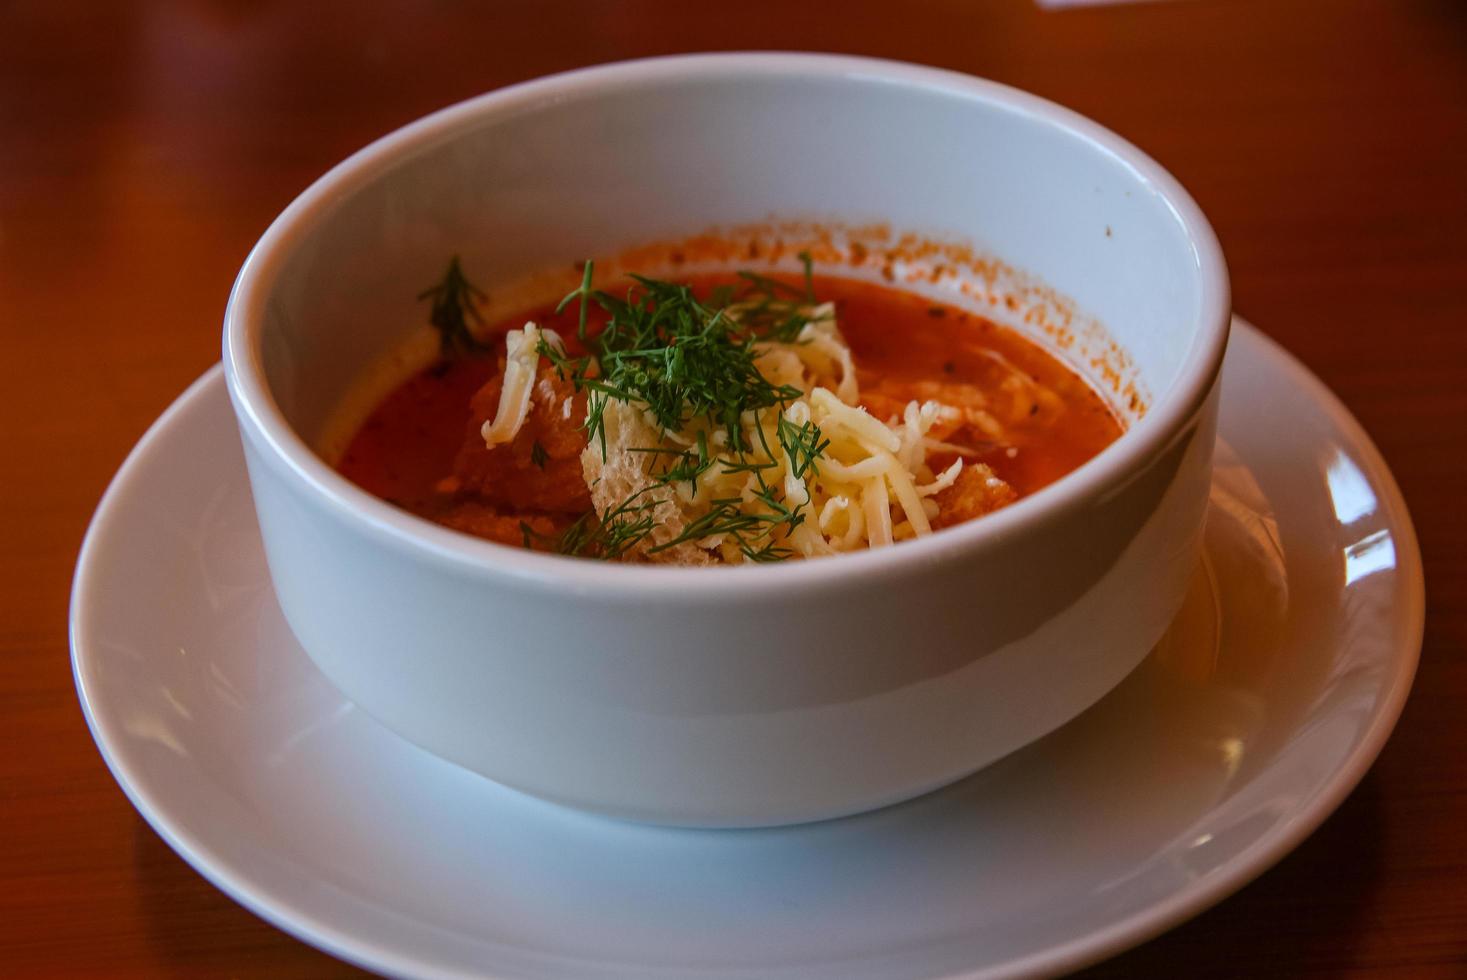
(623,472)
(976,491)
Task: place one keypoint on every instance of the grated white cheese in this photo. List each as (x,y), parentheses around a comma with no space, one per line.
(521,362)
(870,486)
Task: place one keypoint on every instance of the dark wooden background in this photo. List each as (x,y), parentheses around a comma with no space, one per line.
(144,147)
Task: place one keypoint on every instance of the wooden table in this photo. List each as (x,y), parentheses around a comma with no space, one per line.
(143,148)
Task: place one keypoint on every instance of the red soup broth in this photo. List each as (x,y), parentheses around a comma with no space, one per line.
(904,346)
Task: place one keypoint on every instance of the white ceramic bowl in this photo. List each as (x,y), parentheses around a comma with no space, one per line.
(746,695)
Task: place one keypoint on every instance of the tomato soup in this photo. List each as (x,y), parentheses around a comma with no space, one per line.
(979,415)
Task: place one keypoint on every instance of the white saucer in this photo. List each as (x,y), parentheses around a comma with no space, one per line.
(1255,717)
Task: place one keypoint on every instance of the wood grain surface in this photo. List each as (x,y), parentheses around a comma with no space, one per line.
(144,147)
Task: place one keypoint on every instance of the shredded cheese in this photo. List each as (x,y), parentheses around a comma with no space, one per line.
(870,486)
(521,362)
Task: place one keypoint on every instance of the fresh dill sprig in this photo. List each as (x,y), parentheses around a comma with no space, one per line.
(608,536)
(691,363)
(582,293)
(686,465)
(746,465)
(751,531)
(803,445)
(455,307)
(774,310)
(663,348)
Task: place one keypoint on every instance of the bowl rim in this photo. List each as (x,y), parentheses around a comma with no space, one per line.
(263,423)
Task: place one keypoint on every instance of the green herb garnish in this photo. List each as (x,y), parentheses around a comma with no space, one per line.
(691,364)
(775,310)
(607,537)
(803,444)
(455,306)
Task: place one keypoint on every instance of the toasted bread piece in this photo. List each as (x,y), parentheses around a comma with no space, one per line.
(976,491)
(622,472)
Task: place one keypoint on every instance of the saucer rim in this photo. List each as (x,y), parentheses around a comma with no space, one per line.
(1090,947)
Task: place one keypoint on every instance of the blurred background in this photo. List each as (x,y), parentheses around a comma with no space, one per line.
(144,147)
